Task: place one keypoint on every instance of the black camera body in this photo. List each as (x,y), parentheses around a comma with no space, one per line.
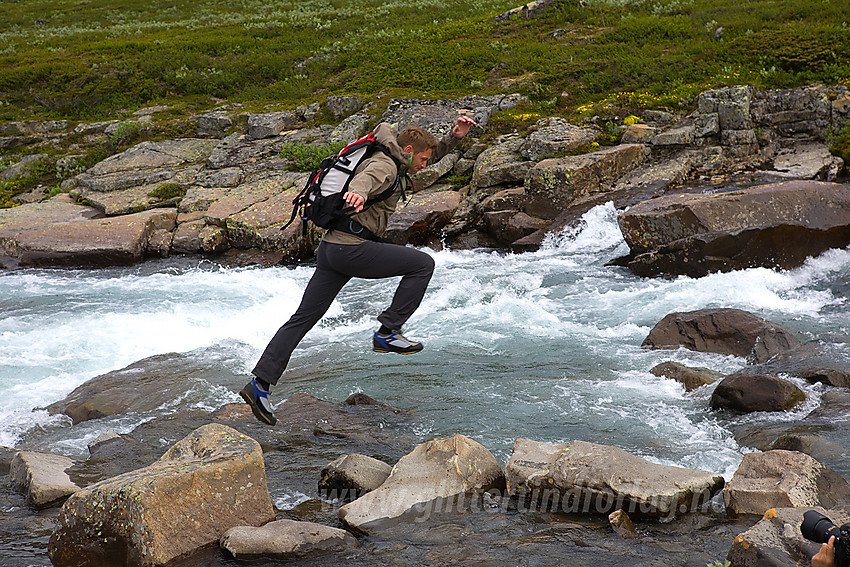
(818,528)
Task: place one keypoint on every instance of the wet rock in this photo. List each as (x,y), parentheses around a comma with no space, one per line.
(422,217)
(776,540)
(285,539)
(756,392)
(555,136)
(776,225)
(553,184)
(724,331)
(6,456)
(216,474)
(357,473)
(142,386)
(42,477)
(783,479)
(582,476)
(434,472)
(812,361)
(690,378)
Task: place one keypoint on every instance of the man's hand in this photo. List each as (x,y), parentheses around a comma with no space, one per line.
(826,556)
(462,126)
(354,200)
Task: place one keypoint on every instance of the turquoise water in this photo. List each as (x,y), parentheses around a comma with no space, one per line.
(542,345)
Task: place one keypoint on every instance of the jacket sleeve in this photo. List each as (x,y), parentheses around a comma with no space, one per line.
(373,177)
(446,144)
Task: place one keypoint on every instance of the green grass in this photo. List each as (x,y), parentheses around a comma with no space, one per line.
(92,59)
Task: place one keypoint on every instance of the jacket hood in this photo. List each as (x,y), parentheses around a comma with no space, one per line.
(387,134)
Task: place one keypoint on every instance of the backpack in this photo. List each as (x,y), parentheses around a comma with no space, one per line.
(321,203)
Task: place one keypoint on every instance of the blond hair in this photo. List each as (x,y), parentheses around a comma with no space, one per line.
(417,137)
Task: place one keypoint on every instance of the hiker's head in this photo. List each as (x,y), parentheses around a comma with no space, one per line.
(419,143)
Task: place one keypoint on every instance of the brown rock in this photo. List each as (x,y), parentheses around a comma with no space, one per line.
(285,539)
(691,378)
(756,392)
(422,217)
(724,331)
(205,484)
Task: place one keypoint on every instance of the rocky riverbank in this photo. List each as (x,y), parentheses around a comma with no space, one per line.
(120,504)
(227,191)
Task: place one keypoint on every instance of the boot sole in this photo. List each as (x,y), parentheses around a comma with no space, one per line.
(256,410)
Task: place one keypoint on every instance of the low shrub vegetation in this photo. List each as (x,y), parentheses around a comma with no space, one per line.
(87,60)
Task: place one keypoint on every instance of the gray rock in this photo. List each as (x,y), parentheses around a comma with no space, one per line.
(93,127)
(783,479)
(724,331)
(499,165)
(806,161)
(813,361)
(42,477)
(426,177)
(226,177)
(441,472)
(285,539)
(22,167)
(738,138)
(159,243)
(215,123)
(756,392)
(354,472)
(794,113)
(217,476)
(639,134)
(555,136)
(307,112)
(553,184)
(342,106)
(352,127)
(587,477)
(270,124)
(676,136)
(707,125)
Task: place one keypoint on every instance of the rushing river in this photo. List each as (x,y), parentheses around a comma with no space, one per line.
(542,345)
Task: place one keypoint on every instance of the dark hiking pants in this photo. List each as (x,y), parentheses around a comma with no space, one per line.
(336,265)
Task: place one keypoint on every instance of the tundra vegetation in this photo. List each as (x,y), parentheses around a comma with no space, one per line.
(94,60)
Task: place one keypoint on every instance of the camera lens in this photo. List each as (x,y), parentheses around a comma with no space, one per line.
(816,527)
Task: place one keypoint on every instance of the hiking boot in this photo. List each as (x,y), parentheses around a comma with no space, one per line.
(394,342)
(258,399)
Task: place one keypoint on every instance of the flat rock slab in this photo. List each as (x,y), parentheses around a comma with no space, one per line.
(587,477)
(42,477)
(284,539)
(156,155)
(63,234)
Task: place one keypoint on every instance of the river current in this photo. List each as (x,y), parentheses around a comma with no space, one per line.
(542,345)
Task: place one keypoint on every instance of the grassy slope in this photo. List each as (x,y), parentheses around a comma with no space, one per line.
(86,59)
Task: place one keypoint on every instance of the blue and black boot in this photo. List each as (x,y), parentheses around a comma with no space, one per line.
(257,397)
(394,341)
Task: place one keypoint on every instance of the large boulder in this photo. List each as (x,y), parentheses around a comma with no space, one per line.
(42,477)
(422,217)
(59,233)
(553,184)
(812,361)
(500,164)
(556,136)
(776,540)
(776,225)
(783,478)
(724,331)
(435,473)
(756,392)
(205,484)
(587,477)
(690,378)
(285,539)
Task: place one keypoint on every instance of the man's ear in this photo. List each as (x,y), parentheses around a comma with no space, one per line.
(408,149)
